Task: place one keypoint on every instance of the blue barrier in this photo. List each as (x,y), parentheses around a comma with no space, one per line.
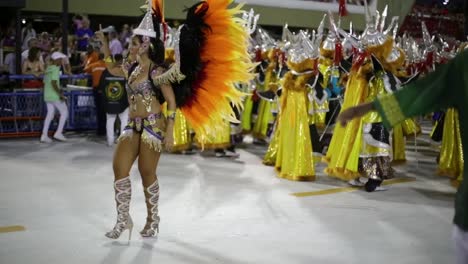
(23,111)
(31,77)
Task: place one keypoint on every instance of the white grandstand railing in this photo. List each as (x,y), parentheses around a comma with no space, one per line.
(312,5)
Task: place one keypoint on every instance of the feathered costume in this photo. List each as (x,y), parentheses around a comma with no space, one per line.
(211,57)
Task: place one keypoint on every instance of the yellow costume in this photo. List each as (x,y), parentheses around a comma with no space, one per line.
(294,159)
(265,118)
(343,153)
(408,128)
(182,135)
(182,132)
(220,139)
(246,119)
(272,152)
(451,153)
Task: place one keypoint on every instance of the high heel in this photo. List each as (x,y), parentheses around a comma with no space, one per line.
(130,228)
(151,228)
(123,194)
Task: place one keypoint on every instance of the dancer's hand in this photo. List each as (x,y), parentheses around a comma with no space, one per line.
(169,142)
(100,35)
(354,112)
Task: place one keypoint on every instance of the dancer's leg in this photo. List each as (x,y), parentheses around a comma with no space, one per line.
(147,164)
(125,154)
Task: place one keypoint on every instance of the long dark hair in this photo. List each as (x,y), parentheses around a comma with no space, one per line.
(33,52)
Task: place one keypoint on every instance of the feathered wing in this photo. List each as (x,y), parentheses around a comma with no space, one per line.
(213,57)
(158,10)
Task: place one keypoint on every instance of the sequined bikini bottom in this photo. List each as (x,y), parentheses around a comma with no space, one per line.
(151,129)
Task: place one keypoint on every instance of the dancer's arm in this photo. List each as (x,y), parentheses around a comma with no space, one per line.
(444,88)
(168,94)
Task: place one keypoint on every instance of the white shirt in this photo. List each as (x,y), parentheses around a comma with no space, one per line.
(10,62)
(27,34)
(115,47)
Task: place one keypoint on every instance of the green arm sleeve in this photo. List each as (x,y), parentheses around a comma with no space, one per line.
(439,90)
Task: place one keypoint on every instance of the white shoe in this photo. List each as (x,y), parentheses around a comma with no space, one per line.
(356,183)
(364,180)
(60,137)
(220,154)
(380,189)
(231,154)
(45,139)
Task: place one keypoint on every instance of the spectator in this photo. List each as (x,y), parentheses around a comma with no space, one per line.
(10,63)
(91,56)
(96,69)
(44,41)
(26,34)
(33,65)
(54,98)
(115,99)
(57,33)
(74,55)
(9,40)
(114,45)
(125,35)
(65,66)
(84,34)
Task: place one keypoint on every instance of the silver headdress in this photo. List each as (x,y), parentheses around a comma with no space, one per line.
(250,20)
(372,35)
(264,40)
(332,36)
(146,27)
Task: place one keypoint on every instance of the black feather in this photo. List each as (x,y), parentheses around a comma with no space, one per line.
(192,39)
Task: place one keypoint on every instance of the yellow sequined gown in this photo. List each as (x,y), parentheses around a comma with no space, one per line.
(271,154)
(408,128)
(265,117)
(217,139)
(182,132)
(345,147)
(451,153)
(182,135)
(294,159)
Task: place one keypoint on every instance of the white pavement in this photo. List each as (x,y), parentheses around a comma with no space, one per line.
(214,210)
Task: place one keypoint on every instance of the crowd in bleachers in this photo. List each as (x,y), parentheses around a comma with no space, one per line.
(42,55)
(83,47)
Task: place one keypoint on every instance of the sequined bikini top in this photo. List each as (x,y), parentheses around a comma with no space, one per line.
(143,88)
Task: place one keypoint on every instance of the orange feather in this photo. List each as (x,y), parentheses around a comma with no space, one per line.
(227,63)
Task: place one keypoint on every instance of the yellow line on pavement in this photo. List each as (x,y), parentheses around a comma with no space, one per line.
(325,192)
(398,180)
(8,229)
(349,189)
